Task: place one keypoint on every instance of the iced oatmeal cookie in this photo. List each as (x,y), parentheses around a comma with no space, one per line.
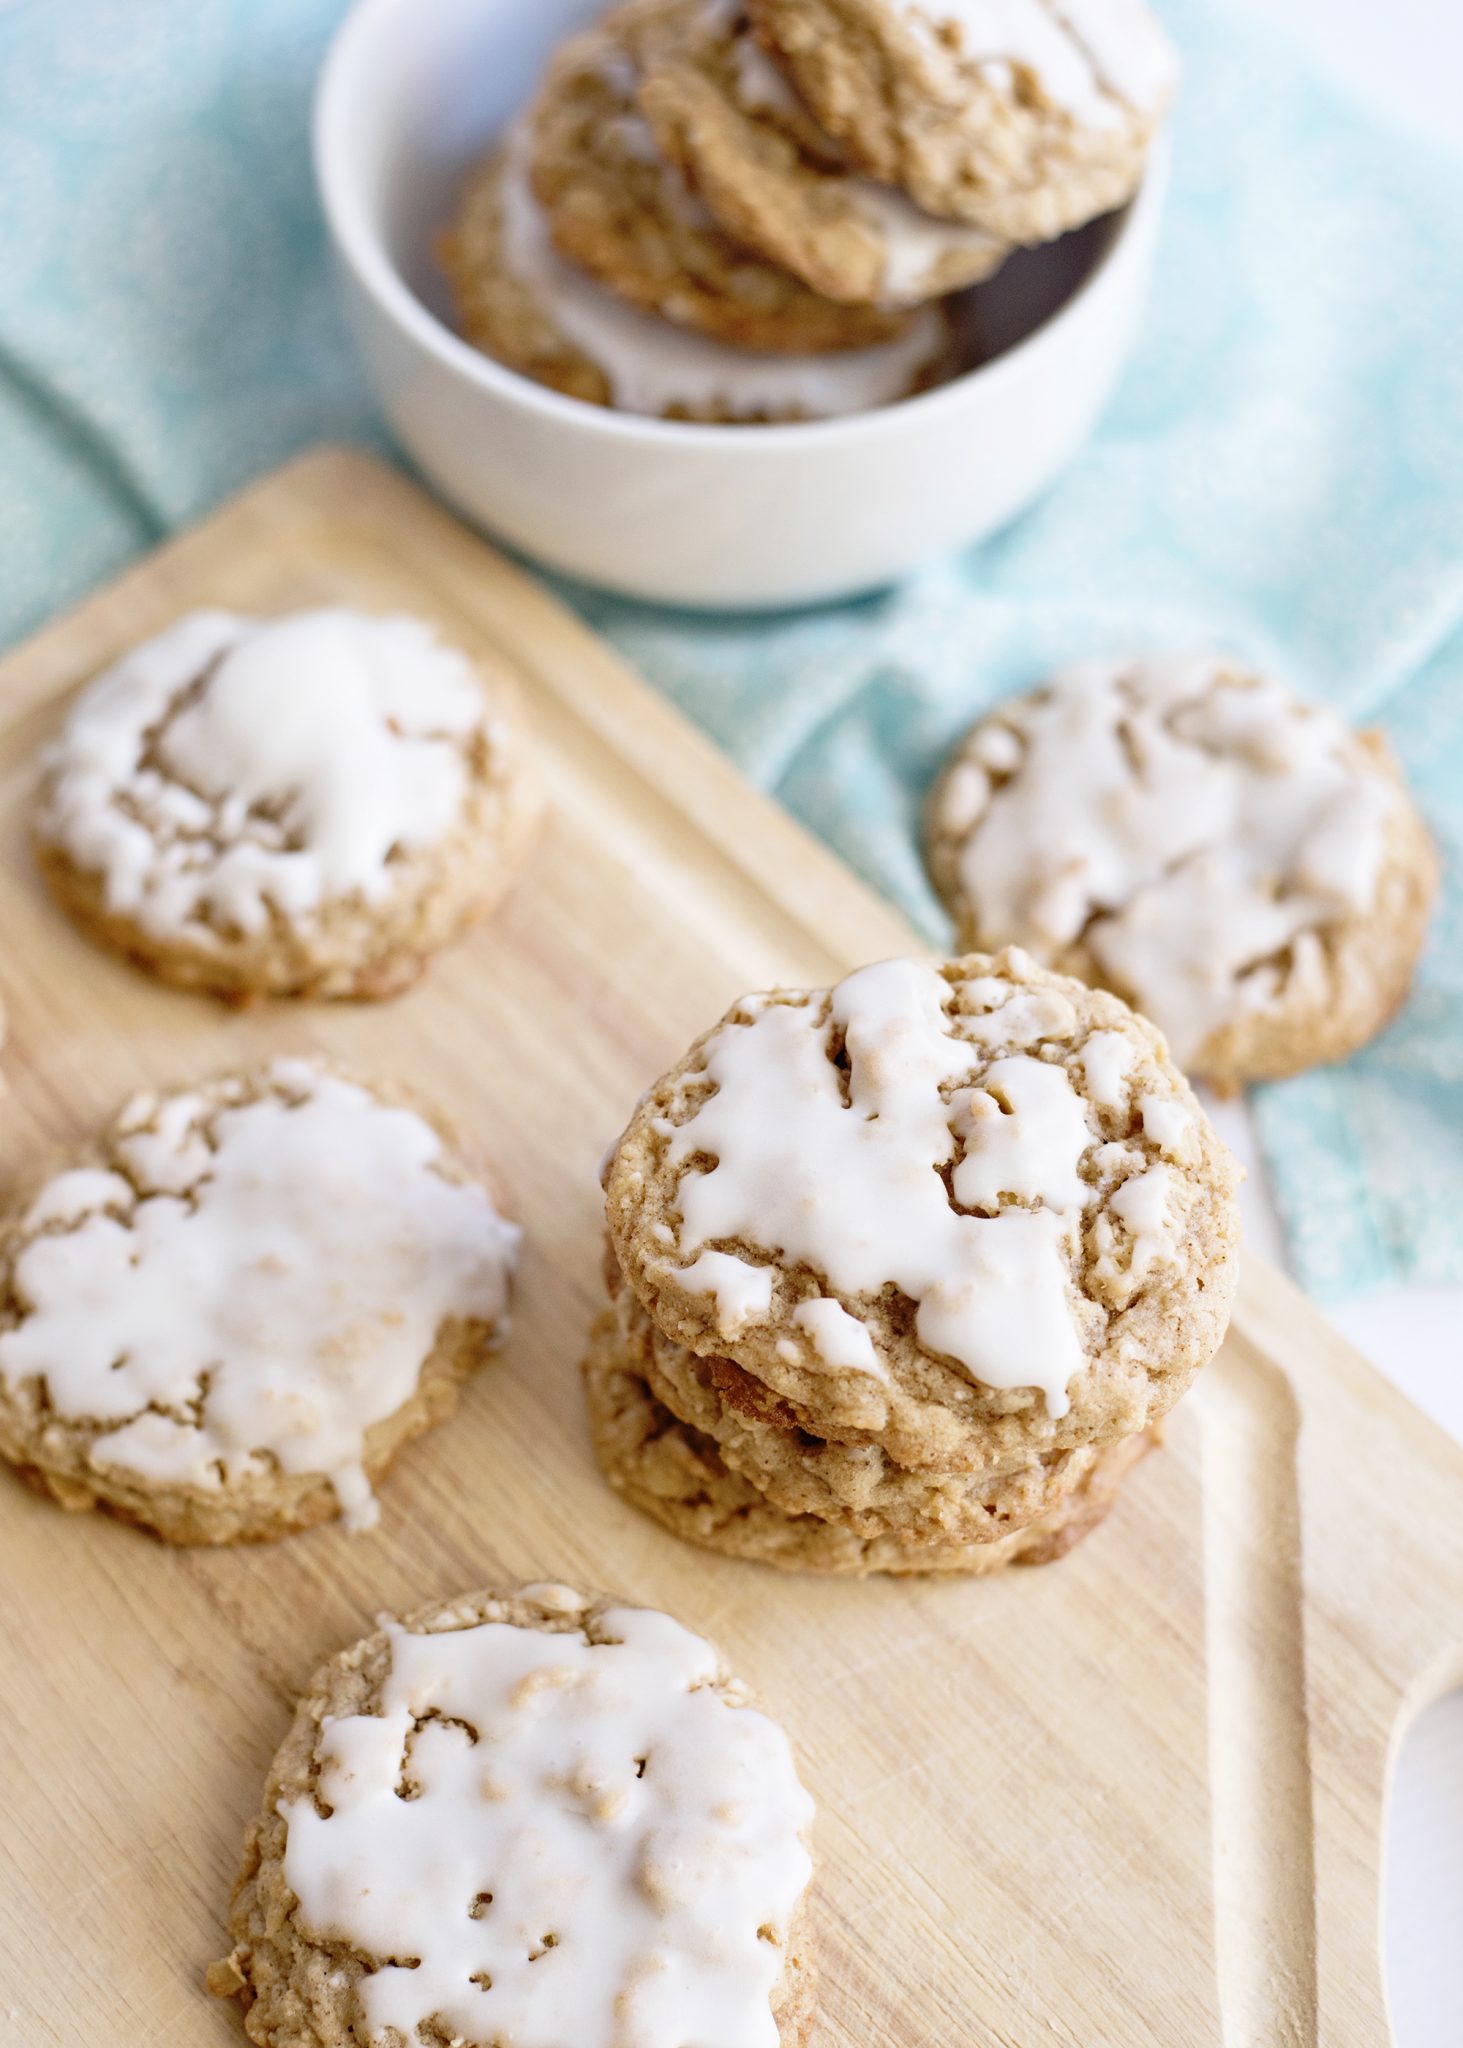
(1241,867)
(309,805)
(1025,117)
(968,1209)
(678,1476)
(529,1816)
(720,109)
(225,1321)
(519,301)
(627,216)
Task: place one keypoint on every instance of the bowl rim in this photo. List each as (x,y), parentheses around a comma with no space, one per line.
(360,246)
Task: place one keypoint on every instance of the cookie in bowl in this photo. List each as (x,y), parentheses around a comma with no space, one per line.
(522,303)
(534,394)
(622,211)
(1024,118)
(721,109)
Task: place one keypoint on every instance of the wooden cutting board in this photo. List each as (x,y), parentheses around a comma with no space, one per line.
(1131,1801)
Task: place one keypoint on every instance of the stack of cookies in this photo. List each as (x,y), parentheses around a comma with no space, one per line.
(733,212)
(904,1272)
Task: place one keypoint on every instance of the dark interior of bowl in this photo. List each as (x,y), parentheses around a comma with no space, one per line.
(1028,288)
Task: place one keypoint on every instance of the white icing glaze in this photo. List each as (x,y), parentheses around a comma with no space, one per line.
(964,797)
(1169,1125)
(552,1598)
(628,133)
(595,1841)
(1202,821)
(621,74)
(314,746)
(1020,1016)
(1107,1060)
(1142,1204)
(1127,48)
(854,1188)
(1007,1316)
(915,245)
(998,749)
(1087,56)
(760,87)
(840,1340)
(71,1196)
(1024,1131)
(273,1293)
(742,1293)
(653,366)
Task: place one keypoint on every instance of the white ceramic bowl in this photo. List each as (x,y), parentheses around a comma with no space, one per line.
(411,94)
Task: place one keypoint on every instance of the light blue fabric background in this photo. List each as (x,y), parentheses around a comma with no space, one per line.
(1282,473)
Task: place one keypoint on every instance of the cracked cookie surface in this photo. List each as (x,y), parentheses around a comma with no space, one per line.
(623,212)
(663,1808)
(1240,866)
(968,1209)
(311,805)
(1025,117)
(719,108)
(224,1322)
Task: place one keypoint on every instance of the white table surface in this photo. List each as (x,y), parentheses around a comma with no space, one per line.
(1405,58)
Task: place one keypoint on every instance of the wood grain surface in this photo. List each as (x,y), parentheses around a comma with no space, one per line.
(1130,1801)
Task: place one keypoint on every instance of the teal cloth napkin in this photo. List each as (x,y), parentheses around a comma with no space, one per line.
(1280,474)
